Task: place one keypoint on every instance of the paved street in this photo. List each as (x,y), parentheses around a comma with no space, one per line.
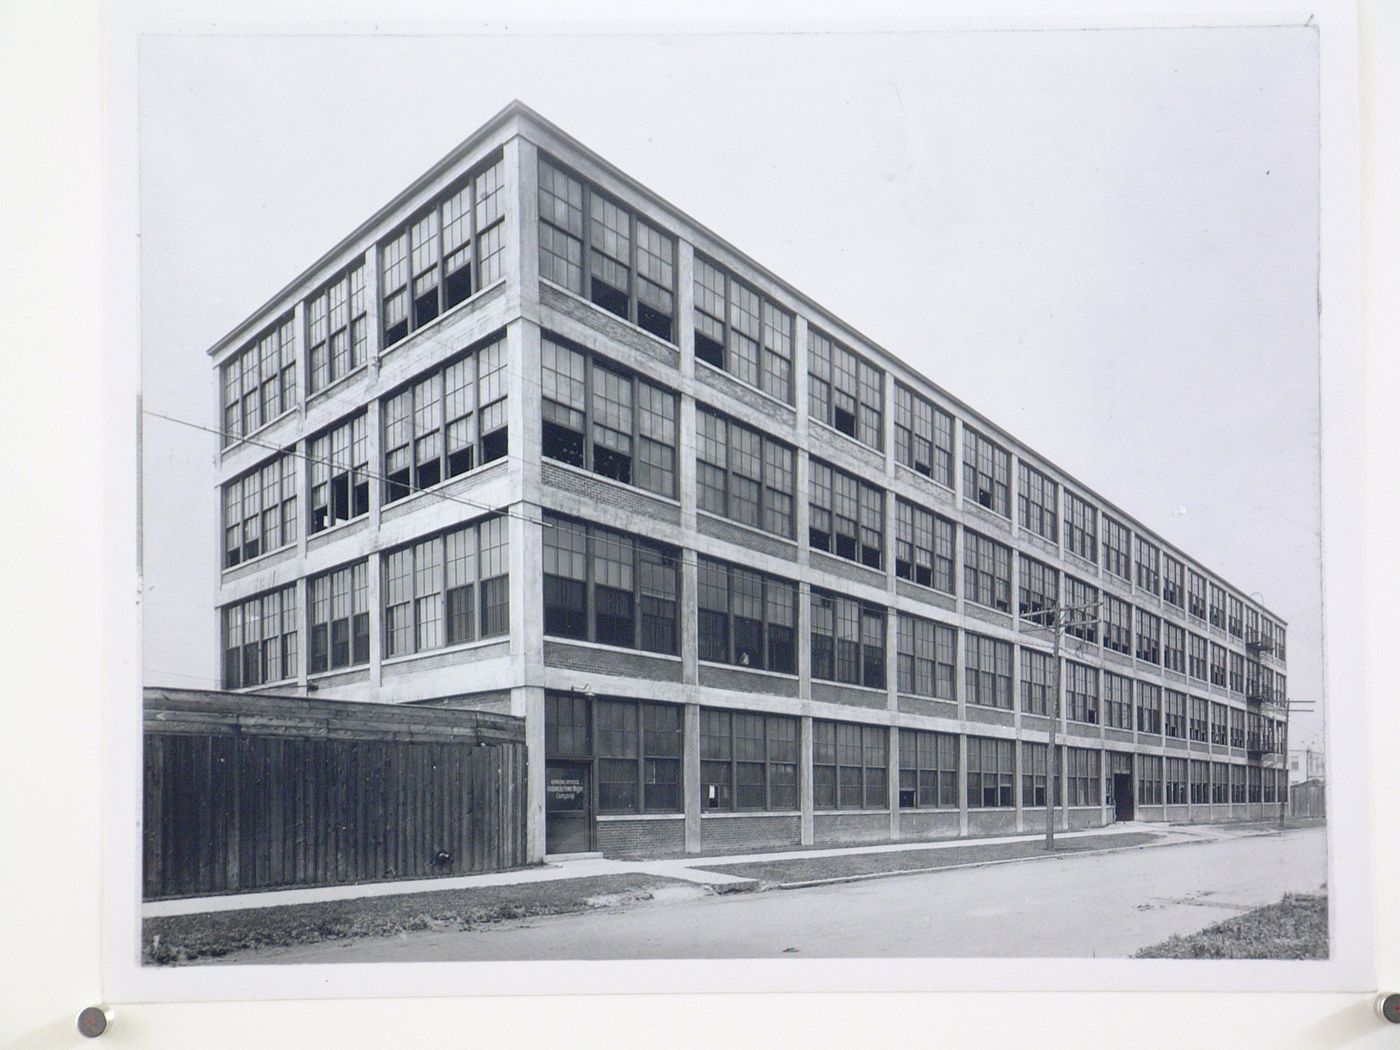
(1106,905)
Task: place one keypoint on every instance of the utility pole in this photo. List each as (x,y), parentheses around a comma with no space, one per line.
(1289,706)
(1056,619)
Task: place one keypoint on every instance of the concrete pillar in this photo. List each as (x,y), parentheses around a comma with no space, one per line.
(962,783)
(892,768)
(808,821)
(374,577)
(527,702)
(521,263)
(690,621)
(690,778)
(374,344)
(1020,802)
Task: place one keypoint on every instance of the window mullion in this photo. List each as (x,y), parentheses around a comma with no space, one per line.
(636,595)
(641,758)
(475,234)
(442,384)
(588,412)
(586,237)
(588,603)
(632,308)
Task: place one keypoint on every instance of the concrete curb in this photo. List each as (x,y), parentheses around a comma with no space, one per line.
(865,876)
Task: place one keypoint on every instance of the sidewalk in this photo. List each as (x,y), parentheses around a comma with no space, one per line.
(703,871)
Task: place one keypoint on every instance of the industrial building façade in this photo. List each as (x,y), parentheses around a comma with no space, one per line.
(533,443)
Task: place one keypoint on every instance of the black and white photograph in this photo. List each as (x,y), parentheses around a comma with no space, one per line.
(572,517)
(828,505)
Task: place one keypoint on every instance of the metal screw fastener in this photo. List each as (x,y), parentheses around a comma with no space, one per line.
(1388,1006)
(93,1021)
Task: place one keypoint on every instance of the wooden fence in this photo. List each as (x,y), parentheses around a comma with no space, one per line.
(1308,799)
(247,792)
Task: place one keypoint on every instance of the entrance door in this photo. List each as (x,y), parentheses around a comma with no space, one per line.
(1122,796)
(568,812)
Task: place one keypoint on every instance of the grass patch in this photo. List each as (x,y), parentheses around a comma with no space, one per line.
(1294,928)
(807,869)
(174,939)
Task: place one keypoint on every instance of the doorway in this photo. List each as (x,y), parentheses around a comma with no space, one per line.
(1122,796)
(568,808)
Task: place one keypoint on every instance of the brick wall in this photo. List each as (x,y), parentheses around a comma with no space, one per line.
(1086,818)
(623,497)
(608,661)
(917,705)
(927,596)
(708,377)
(831,693)
(847,570)
(630,838)
(606,325)
(991,821)
(406,669)
(851,827)
(727,832)
(749,539)
(992,716)
(928,824)
(741,681)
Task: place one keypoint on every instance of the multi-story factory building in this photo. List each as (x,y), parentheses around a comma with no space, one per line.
(531,440)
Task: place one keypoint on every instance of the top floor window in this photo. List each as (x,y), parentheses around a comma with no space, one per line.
(337,332)
(607,420)
(260,382)
(427,267)
(844,390)
(1038,501)
(742,474)
(595,247)
(446,423)
(923,436)
(1236,621)
(847,516)
(1195,594)
(1149,577)
(986,473)
(1081,527)
(1173,581)
(1217,606)
(1115,548)
(741,331)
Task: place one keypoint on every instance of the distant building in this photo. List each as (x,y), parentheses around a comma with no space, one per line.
(1306,764)
(531,440)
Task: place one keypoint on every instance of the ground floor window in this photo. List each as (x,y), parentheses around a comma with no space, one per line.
(1149,780)
(850,766)
(1219,783)
(1270,785)
(635,747)
(1176,781)
(260,639)
(991,769)
(928,769)
(1083,776)
(1034,777)
(748,760)
(1237,788)
(1200,783)
(339,620)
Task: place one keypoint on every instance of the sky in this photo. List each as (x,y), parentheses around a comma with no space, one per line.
(1104,241)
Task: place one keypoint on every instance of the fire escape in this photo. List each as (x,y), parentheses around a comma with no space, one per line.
(1265,702)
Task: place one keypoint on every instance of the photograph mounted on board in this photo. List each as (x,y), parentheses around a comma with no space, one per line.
(880,467)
